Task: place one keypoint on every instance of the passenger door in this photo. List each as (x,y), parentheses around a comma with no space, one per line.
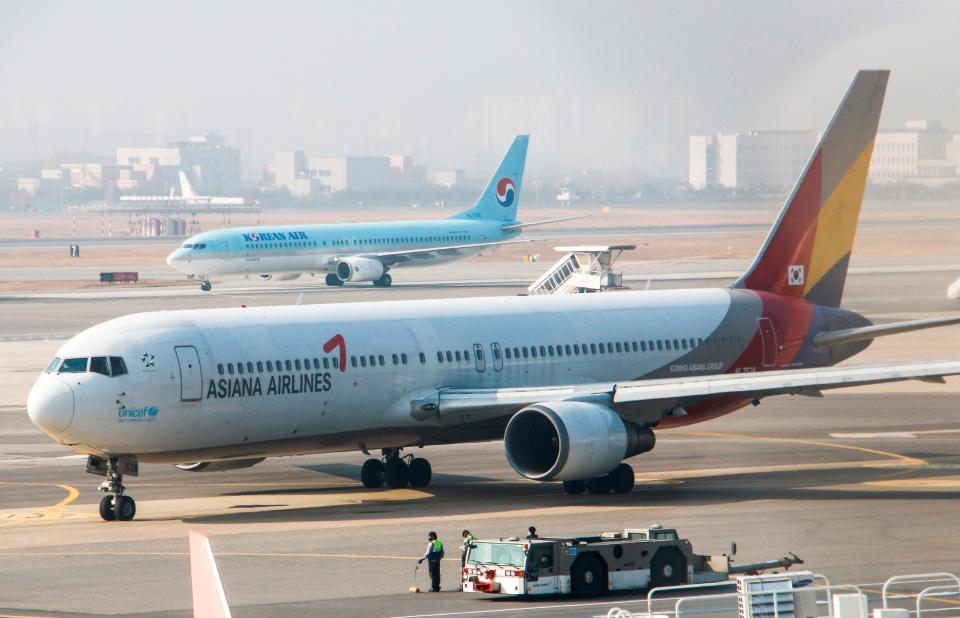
(768,338)
(191,380)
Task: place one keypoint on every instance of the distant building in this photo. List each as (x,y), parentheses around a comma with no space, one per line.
(306,177)
(758,159)
(449,179)
(352,173)
(103,175)
(212,166)
(923,152)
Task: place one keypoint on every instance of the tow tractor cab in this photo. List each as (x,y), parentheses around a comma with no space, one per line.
(591,565)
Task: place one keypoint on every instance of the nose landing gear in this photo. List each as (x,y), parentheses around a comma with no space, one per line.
(396,471)
(114,506)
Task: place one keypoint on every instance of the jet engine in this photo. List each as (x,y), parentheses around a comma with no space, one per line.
(219,466)
(571,440)
(359,269)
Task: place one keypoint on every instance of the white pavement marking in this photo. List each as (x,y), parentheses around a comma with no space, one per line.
(893,434)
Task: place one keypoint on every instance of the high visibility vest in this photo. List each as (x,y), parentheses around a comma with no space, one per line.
(437,546)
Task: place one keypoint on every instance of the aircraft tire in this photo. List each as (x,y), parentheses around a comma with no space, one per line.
(383,282)
(372,474)
(574,487)
(206,286)
(127,509)
(599,485)
(622,479)
(395,473)
(106,508)
(333,280)
(420,473)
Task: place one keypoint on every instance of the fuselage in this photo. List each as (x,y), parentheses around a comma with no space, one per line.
(295,249)
(254,382)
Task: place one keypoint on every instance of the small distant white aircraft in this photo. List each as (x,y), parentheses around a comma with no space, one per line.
(953,290)
(187,197)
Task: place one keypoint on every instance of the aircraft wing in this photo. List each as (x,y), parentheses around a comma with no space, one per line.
(392,258)
(648,401)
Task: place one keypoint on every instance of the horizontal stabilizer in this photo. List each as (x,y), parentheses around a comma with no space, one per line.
(510,227)
(850,335)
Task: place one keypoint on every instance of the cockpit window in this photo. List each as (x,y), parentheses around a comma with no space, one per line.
(53,365)
(74,365)
(188,245)
(117,366)
(200,245)
(98,364)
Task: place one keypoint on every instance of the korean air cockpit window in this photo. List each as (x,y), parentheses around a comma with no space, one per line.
(53,365)
(73,365)
(188,245)
(200,245)
(98,364)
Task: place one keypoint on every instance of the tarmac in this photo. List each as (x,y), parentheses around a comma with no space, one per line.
(862,484)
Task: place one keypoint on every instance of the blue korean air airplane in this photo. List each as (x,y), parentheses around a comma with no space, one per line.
(362,251)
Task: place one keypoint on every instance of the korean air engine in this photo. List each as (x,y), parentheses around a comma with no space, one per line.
(571,440)
(359,269)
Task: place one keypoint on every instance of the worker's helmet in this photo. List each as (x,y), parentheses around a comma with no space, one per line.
(466,532)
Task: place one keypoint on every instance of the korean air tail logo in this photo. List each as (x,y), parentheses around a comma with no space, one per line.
(506,192)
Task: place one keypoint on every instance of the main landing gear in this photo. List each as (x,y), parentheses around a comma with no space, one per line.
(206,286)
(620,480)
(333,280)
(396,471)
(114,505)
(383,282)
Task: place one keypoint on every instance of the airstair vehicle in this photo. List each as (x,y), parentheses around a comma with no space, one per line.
(581,270)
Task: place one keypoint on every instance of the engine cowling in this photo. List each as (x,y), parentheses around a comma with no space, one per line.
(219,466)
(359,269)
(571,440)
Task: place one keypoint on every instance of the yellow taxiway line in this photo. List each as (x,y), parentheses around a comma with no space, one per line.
(72,494)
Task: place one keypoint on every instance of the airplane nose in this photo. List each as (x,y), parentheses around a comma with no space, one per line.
(50,405)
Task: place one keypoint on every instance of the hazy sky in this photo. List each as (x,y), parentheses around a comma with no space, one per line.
(617,84)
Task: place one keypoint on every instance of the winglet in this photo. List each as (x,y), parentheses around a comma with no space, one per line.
(208,598)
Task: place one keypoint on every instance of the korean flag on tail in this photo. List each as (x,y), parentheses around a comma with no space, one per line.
(795,274)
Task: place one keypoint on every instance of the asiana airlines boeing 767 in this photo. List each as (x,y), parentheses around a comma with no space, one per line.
(573,385)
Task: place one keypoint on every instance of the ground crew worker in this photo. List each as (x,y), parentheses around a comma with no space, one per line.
(533,533)
(468,538)
(433,556)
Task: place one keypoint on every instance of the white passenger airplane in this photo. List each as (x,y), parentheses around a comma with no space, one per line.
(573,384)
(362,251)
(187,197)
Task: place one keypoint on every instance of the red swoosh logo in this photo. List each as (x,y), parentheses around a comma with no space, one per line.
(337,341)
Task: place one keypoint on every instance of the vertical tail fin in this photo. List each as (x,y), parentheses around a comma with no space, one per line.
(807,252)
(500,199)
(185,189)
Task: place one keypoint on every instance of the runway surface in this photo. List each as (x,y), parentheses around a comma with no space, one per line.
(861,484)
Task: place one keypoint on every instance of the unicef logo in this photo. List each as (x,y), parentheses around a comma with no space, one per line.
(506,192)
(146,413)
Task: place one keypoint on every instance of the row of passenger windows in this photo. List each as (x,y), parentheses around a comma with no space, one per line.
(296,364)
(449,238)
(106,365)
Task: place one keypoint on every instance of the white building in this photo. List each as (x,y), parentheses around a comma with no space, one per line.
(448,179)
(213,167)
(758,159)
(923,152)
